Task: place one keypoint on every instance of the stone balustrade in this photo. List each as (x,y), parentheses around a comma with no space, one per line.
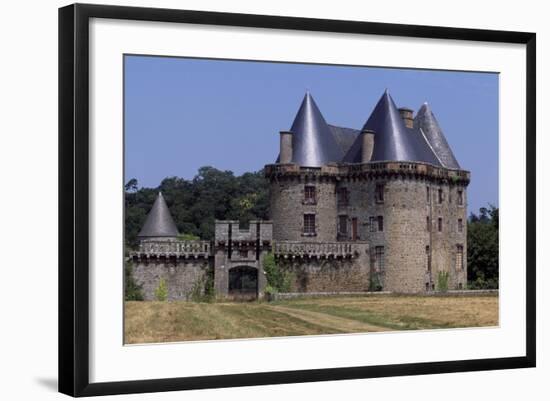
(179,249)
(299,249)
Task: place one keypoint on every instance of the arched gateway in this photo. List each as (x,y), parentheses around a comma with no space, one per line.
(238,258)
(243,283)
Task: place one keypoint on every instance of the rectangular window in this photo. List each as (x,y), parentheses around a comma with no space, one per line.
(372,224)
(428,259)
(343,197)
(343,224)
(379,193)
(439,224)
(428,195)
(243,253)
(460,225)
(440,195)
(459,257)
(309,224)
(428,224)
(460,198)
(380,223)
(309,194)
(379,258)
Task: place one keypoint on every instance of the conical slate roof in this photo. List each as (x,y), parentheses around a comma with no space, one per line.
(313,142)
(392,139)
(159,222)
(427,123)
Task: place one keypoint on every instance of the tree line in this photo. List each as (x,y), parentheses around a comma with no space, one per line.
(483,248)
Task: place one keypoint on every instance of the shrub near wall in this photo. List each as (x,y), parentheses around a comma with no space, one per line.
(161,292)
(443,281)
(132,291)
(278,280)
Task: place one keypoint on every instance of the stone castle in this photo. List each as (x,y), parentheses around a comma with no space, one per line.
(381,208)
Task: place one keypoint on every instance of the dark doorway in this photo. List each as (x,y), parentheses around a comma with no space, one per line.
(243,283)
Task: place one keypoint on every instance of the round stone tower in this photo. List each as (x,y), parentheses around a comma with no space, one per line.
(303,203)
(395,186)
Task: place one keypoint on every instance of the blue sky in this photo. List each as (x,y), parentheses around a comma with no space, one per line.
(181,114)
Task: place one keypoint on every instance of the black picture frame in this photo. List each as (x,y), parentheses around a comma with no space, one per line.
(74,200)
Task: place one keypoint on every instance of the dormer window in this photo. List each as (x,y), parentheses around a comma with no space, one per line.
(310,197)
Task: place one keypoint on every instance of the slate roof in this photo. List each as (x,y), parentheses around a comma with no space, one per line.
(392,139)
(426,121)
(316,143)
(344,136)
(313,142)
(159,222)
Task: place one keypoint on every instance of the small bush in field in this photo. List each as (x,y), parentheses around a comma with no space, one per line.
(161,292)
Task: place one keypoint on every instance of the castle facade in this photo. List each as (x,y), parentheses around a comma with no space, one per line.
(381,208)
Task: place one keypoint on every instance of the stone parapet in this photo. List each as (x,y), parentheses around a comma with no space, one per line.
(371,170)
(171,249)
(318,250)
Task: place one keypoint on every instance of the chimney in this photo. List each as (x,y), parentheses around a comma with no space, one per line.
(407,116)
(285,152)
(367,145)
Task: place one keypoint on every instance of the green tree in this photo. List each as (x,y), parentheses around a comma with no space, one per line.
(131,185)
(483,262)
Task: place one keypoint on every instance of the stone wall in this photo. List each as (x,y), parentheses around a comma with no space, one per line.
(444,243)
(288,206)
(405,213)
(329,275)
(182,276)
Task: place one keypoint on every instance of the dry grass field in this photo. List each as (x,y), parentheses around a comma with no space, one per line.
(147,322)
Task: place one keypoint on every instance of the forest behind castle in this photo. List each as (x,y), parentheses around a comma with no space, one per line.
(220,195)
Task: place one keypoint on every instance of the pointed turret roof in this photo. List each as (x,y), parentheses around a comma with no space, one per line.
(159,222)
(427,123)
(392,139)
(313,142)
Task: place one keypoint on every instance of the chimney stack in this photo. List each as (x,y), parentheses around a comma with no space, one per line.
(285,152)
(407,116)
(367,145)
